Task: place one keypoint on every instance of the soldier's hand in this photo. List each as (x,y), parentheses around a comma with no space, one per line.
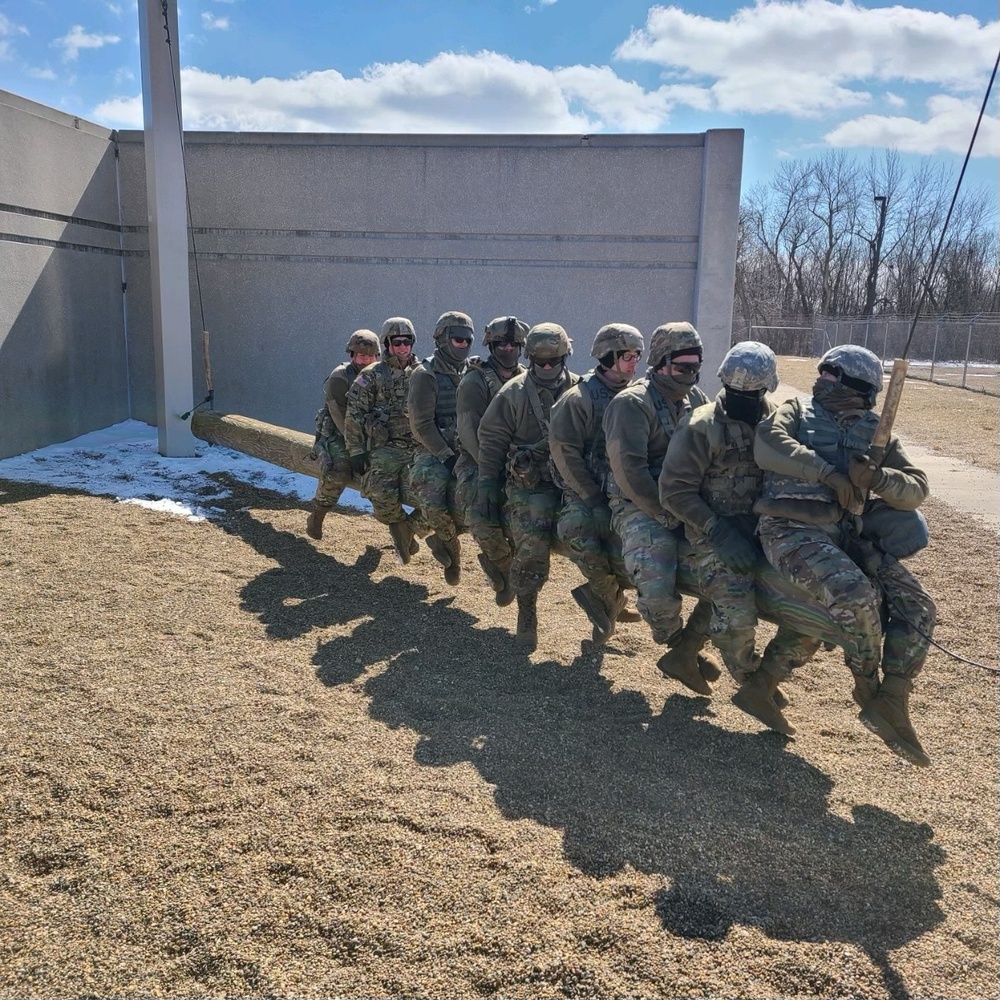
(359,464)
(848,495)
(865,475)
(488,500)
(733,548)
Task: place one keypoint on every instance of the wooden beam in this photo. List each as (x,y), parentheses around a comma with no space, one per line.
(290,449)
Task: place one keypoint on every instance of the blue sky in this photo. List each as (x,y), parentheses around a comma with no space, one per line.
(800,76)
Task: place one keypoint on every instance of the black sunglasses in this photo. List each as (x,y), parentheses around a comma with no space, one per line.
(400,341)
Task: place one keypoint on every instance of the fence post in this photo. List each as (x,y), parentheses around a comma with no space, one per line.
(885,341)
(968,344)
(937,331)
(868,326)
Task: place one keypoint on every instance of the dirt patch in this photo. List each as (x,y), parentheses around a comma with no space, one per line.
(947,420)
(235,762)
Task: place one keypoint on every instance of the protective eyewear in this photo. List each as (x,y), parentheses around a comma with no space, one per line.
(686,367)
(460,333)
(401,341)
(630,356)
(546,362)
(461,338)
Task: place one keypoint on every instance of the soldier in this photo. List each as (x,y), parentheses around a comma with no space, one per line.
(576,442)
(711,482)
(638,424)
(336,469)
(379,441)
(432,403)
(816,453)
(504,336)
(514,452)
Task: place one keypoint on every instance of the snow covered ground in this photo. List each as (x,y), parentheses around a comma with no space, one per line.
(123,462)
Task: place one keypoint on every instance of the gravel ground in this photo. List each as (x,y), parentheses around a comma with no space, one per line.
(235,762)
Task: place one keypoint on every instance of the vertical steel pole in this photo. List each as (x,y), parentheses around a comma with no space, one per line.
(968,345)
(937,331)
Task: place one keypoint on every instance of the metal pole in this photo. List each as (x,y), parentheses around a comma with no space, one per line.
(968,344)
(937,331)
(885,342)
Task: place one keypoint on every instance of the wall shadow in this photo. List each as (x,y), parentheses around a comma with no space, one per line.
(738,825)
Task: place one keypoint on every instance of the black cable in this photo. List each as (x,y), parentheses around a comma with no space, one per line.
(954,198)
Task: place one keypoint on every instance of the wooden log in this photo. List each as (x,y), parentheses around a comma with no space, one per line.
(290,449)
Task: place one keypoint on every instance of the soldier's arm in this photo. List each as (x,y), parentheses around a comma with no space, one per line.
(473,398)
(689,456)
(627,429)
(496,432)
(360,398)
(898,481)
(421,401)
(570,427)
(336,401)
(777,450)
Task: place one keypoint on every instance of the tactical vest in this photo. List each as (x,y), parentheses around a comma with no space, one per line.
(393,385)
(734,480)
(833,442)
(446,406)
(595,451)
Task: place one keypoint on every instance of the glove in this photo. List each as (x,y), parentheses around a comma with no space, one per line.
(848,495)
(359,464)
(488,500)
(863,476)
(449,463)
(735,550)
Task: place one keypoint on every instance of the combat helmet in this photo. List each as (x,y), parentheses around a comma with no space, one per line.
(448,322)
(363,342)
(749,367)
(672,339)
(546,341)
(851,363)
(396,326)
(503,327)
(615,338)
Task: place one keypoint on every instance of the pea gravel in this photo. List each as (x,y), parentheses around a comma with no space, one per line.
(235,762)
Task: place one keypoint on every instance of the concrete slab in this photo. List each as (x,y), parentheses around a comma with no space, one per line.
(965,487)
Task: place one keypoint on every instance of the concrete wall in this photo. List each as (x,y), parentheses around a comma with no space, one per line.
(301,239)
(62,334)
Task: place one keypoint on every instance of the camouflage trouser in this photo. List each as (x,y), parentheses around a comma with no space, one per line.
(387,485)
(908,608)
(809,557)
(532,515)
(593,547)
(336,471)
(734,608)
(434,489)
(492,539)
(650,552)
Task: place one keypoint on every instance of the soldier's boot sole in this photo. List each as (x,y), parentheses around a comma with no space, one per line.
(755,698)
(887,716)
(593,607)
(402,540)
(439,549)
(681,664)
(628,615)
(314,522)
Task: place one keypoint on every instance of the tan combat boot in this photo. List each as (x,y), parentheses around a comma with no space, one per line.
(596,611)
(499,577)
(887,716)
(402,540)
(314,522)
(756,697)
(683,663)
(453,572)
(527,620)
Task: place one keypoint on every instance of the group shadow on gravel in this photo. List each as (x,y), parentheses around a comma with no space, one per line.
(737,824)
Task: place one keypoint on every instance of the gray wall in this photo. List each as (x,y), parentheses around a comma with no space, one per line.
(301,239)
(62,335)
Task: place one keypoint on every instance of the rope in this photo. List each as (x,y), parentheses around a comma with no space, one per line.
(210,398)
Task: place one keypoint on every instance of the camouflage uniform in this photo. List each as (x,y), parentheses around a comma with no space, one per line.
(432,403)
(580,468)
(805,446)
(377,426)
(638,425)
(711,482)
(481,382)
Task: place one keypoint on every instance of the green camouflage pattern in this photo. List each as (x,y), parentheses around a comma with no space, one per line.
(532,517)
(387,485)
(591,545)
(336,473)
(435,490)
(749,366)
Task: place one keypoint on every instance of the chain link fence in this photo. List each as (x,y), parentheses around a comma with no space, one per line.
(950,350)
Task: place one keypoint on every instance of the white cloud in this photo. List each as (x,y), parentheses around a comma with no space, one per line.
(213,23)
(124,74)
(806,57)
(76,39)
(41,73)
(947,129)
(115,8)
(7,29)
(894,100)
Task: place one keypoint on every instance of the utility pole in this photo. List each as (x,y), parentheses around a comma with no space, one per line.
(875,256)
(166,208)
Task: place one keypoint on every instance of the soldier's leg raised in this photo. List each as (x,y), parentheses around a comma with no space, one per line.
(383,486)
(336,476)
(583,532)
(911,619)
(532,516)
(496,551)
(429,487)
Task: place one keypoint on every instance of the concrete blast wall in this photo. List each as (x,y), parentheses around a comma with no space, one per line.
(301,239)
(62,334)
